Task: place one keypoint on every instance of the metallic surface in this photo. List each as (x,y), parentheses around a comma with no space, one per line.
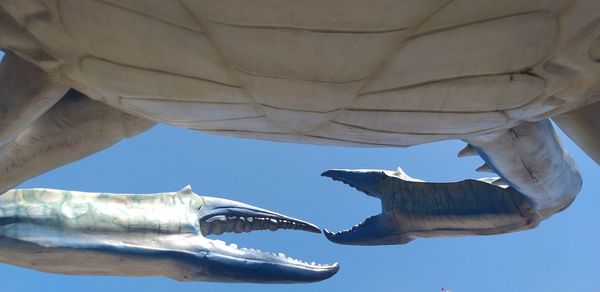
(140,235)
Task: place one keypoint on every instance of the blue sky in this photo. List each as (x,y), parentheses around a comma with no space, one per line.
(562,254)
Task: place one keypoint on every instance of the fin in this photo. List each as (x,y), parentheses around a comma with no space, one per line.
(583,127)
(484,168)
(469,150)
(27,93)
(73,128)
(186,190)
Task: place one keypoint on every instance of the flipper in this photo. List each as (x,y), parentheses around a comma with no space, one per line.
(583,127)
(26,92)
(73,128)
(537,178)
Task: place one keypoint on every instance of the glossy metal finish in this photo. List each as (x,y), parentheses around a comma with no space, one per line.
(142,235)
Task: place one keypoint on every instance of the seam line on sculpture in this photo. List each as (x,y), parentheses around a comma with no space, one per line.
(242,70)
(170,99)
(441,80)
(217,120)
(246,131)
(149,16)
(409,133)
(297,110)
(400,111)
(311,29)
(475,22)
(156,71)
(222,58)
(362,144)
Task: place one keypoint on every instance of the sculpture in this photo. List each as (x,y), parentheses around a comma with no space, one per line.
(364,73)
(139,235)
(538,179)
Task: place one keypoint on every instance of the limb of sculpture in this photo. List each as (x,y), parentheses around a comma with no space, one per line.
(27,93)
(537,179)
(136,235)
(73,128)
(141,235)
(583,127)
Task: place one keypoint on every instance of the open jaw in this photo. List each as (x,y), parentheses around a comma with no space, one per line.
(375,230)
(232,263)
(413,208)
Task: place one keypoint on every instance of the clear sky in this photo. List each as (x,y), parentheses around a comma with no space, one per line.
(562,254)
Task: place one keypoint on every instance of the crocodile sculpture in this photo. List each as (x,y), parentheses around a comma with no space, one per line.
(79,75)
(139,235)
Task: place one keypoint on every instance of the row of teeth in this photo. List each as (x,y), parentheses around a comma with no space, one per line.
(278,255)
(355,227)
(221,223)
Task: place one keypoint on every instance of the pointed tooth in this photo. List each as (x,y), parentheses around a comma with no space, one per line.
(250,219)
(469,150)
(231,225)
(484,168)
(248,227)
(500,182)
(272,227)
(205,228)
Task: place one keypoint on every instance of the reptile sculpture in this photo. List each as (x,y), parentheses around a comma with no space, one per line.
(79,75)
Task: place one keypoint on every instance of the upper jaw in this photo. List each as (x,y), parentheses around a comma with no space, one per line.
(363,180)
(380,229)
(221,215)
(230,263)
(373,182)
